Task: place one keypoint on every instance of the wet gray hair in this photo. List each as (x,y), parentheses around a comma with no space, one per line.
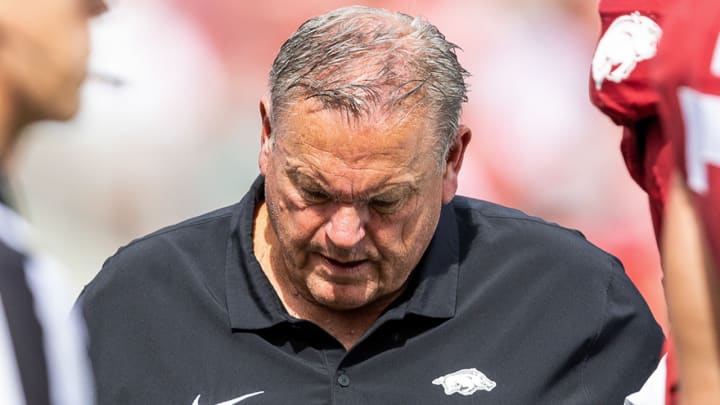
(357,59)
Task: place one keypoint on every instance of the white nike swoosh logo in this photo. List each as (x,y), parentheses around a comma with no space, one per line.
(232,401)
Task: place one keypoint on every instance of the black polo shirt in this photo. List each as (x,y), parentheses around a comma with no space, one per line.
(503,309)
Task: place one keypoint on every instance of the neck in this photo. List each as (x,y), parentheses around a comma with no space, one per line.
(10,124)
(347,326)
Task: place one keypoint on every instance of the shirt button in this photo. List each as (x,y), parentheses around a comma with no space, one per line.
(343,380)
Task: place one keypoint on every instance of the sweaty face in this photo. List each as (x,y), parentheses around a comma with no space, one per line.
(353,203)
(44,52)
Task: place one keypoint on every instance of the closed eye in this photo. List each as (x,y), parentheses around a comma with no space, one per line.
(385,206)
(314,196)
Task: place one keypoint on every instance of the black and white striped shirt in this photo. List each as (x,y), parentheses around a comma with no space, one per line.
(43,359)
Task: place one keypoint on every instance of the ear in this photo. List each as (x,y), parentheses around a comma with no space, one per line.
(454,163)
(266,133)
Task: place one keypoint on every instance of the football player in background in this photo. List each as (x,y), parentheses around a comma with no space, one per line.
(667,102)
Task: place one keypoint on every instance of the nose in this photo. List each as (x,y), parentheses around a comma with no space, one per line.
(346,227)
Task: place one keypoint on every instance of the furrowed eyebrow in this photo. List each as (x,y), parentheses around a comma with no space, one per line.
(394,192)
(302,179)
(387,192)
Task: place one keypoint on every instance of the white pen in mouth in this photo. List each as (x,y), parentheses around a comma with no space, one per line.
(106,78)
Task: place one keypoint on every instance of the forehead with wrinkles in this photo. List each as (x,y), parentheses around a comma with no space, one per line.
(313,132)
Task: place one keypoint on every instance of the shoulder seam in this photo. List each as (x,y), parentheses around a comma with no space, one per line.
(538,221)
(173,228)
(598,333)
(522,217)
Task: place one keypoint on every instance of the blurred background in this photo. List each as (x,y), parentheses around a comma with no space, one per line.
(180,135)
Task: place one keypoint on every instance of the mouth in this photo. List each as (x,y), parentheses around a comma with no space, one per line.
(343,265)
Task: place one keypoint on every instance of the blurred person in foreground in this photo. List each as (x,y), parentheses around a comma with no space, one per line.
(43,55)
(351,273)
(667,99)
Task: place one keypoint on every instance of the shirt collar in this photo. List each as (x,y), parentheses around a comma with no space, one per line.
(253,303)
(251,299)
(435,291)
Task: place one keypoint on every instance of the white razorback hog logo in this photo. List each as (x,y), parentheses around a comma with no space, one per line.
(465,382)
(630,39)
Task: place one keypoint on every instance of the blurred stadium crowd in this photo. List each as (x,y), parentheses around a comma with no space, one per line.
(175,132)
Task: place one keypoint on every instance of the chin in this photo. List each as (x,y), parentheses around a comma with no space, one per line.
(61,106)
(339,300)
(53,113)
(65,111)
(342,305)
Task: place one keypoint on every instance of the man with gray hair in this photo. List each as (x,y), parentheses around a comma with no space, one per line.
(350,273)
